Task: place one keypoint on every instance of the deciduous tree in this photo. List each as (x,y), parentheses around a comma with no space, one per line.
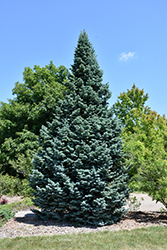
(129,107)
(145,137)
(21,119)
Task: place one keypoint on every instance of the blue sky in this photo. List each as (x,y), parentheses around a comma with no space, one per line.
(129,37)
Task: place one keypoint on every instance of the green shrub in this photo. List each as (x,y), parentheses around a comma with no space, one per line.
(5,213)
(23,204)
(10,185)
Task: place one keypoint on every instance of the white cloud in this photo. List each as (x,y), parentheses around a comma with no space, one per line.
(126,56)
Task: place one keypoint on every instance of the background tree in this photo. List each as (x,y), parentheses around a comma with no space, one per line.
(21,119)
(129,107)
(78,174)
(144,136)
(148,156)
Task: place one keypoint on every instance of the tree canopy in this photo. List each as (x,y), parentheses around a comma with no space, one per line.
(129,107)
(144,136)
(21,119)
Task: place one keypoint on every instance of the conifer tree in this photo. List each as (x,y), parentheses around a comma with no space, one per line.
(79,173)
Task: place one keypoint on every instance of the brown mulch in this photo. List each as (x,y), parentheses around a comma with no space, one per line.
(31,226)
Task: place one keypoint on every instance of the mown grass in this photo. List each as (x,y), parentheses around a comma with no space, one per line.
(152,238)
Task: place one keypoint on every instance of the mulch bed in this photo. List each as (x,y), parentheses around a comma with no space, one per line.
(32,226)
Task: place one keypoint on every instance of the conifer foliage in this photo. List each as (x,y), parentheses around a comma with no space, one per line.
(79,175)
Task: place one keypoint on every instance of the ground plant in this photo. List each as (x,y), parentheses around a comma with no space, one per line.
(8,211)
(134,204)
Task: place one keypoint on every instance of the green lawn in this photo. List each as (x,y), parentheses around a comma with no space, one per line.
(152,238)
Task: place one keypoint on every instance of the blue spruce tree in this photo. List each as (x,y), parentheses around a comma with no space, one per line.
(79,174)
